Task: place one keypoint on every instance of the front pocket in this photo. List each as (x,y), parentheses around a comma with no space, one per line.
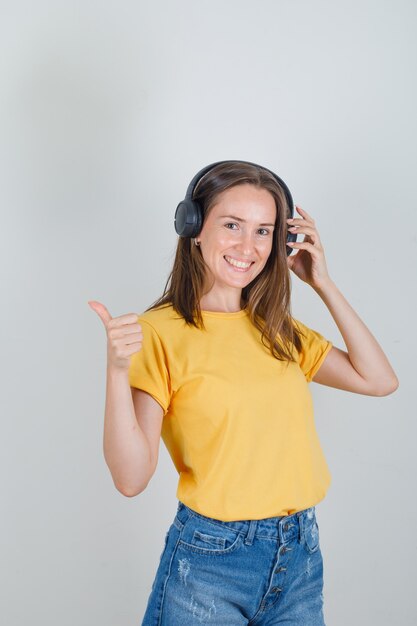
(201,540)
(210,539)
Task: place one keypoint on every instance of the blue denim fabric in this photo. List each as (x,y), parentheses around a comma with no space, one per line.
(256,572)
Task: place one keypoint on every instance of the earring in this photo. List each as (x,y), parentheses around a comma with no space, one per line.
(196,243)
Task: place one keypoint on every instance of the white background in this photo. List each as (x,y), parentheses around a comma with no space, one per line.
(107,110)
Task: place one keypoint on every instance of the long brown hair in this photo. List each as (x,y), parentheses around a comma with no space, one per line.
(268,297)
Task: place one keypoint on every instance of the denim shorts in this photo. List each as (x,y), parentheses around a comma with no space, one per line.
(256,572)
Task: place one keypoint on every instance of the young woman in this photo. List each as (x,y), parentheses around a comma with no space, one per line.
(220,369)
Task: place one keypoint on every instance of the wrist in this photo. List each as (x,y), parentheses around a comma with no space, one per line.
(324,285)
(116,373)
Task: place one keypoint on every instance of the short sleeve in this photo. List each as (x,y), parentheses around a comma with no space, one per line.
(314,350)
(149,369)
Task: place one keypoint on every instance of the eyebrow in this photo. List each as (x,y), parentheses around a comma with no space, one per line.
(239,219)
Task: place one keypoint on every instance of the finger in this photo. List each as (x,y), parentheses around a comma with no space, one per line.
(301,228)
(129,329)
(125,333)
(308,231)
(101,311)
(303,212)
(122,320)
(300,221)
(135,339)
(304,245)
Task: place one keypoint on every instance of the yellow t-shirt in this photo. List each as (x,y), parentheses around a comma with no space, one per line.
(238,423)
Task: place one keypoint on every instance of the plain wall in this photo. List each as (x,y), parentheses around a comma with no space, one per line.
(107,110)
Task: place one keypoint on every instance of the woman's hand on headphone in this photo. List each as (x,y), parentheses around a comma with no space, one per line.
(309,264)
(124,336)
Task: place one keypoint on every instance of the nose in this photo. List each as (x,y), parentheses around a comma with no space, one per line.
(246,243)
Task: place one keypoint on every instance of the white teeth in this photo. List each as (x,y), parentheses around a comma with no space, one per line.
(237,263)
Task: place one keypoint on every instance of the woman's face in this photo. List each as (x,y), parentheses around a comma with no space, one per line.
(237,235)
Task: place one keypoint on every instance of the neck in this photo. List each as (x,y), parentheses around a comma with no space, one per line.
(214,302)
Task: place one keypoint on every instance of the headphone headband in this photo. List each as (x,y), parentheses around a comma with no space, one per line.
(206,170)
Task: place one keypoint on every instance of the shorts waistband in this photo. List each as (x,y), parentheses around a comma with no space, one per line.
(283,527)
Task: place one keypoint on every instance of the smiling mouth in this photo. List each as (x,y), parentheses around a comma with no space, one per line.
(239,265)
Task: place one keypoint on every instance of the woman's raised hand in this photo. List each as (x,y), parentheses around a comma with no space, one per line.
(124,336)
(309,264)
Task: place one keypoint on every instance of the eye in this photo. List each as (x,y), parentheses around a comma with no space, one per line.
(230,225)
(263,231)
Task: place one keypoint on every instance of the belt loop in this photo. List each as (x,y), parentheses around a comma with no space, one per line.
(251,532)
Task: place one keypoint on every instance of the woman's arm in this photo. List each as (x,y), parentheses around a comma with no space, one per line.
(132,424)
(364,368)
(132,419)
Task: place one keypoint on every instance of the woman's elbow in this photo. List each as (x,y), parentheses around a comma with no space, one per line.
(388,389)
(129,491)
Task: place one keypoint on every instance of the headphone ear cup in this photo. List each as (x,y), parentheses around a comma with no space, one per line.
(188,218)
(290,237)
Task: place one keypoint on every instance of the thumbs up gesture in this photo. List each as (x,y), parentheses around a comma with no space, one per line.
(124,336)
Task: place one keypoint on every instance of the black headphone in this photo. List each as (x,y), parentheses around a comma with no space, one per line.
(189,215)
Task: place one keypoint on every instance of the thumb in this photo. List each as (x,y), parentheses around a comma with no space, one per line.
(101,311)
